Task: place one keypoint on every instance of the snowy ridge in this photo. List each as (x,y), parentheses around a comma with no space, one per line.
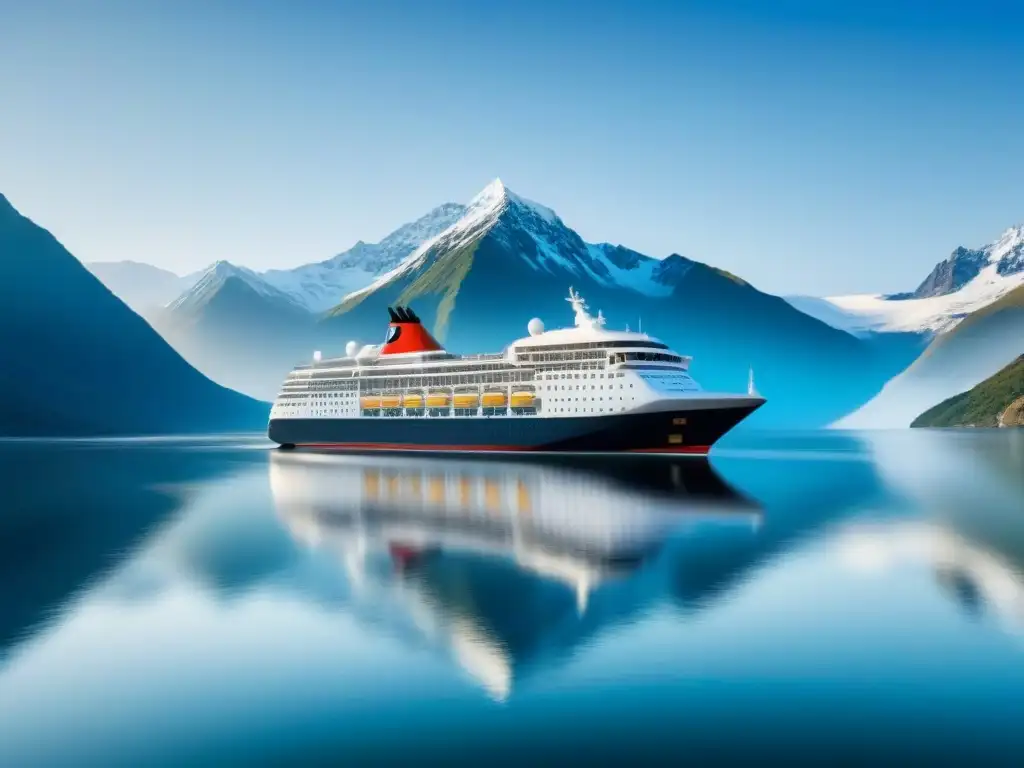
(557,248)
(320,286)
(541,210)
(317,287)
(867,313)
(215,277)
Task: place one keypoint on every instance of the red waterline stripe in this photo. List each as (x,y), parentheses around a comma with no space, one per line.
(418,447)
(690,449)
(673,449)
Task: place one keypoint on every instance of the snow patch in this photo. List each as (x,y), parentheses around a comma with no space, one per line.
(219,273)
(640,278)
(541,210)
(320,286)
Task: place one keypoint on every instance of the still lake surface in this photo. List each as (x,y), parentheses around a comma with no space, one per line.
(825,596)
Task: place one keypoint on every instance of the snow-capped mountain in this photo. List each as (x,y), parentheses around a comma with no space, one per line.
(968,310)
(238,329)
(953,362)
(214,279)
(970,279)
(142,287)
(549,246)
(508,259)
(314,287)
(320,286)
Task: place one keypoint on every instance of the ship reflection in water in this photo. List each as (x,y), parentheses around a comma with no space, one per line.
(498,563)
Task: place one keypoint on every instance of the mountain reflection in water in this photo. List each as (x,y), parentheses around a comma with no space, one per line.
(215,602)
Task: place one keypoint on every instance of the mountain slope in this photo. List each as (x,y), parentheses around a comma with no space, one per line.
(954,361)
(141,286)
(76,361)
(246,330)
(508,259)
(238,329)
(996,400)
(318,287)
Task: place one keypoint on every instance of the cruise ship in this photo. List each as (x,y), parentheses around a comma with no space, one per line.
(580,389)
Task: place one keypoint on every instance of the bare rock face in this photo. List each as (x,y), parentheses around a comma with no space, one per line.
(1013,416)
(951,275)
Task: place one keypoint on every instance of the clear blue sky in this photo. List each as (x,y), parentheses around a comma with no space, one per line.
(814,147)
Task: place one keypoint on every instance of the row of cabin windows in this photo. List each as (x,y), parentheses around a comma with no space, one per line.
(407,382)
(561,357)
(369,370)
(563,387)
(289,399)
(647,357)
(588,410)
(592,399)
(601,345)
(550,376)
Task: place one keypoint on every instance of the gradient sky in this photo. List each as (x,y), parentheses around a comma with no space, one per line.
(810,147)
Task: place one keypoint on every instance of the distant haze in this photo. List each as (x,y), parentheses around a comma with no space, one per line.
(813,148)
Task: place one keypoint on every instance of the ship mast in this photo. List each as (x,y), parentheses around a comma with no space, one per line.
(583,318)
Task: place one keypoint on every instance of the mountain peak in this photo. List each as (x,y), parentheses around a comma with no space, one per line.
(495,197)
(490,197)
(7,207)
(224,269)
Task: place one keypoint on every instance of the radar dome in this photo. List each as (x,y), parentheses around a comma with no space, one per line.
(351,348)
(535,327)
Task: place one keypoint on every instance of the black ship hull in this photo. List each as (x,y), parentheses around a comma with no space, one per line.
(676,431)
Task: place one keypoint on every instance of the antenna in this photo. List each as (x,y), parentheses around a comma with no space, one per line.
(750,383)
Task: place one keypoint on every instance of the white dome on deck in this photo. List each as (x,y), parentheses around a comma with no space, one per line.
(351,348)
(535,327)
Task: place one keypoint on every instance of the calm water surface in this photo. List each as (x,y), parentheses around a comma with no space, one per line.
(839,597)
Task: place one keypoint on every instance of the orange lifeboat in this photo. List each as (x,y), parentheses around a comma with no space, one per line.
(438,399)
(413,400)
(391,401)
(467,400)
(370,403)
(494,400)
(523,399)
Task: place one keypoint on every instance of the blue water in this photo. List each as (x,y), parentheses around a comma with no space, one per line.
(830,597)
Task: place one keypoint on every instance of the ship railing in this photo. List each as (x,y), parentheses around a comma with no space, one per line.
(490,356)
